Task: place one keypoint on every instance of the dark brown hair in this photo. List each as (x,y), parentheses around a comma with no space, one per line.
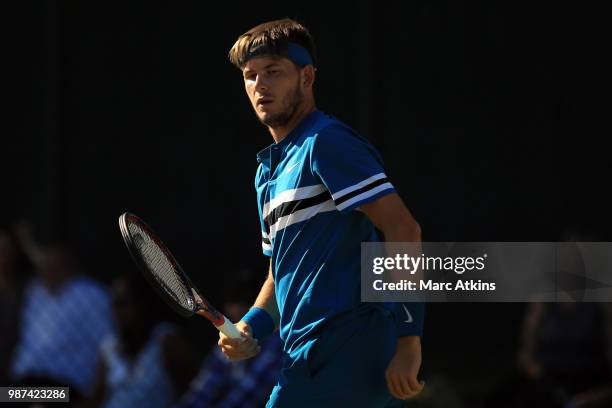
(271,39)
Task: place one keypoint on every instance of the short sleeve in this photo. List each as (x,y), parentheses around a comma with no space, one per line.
(350,167)
(266,243)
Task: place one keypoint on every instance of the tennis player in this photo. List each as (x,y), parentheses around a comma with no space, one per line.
(321,190)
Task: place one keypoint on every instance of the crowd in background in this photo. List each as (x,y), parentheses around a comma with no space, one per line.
(110,344)
(113,348)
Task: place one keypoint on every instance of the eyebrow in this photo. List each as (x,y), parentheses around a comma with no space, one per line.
(271,64)
(246,70)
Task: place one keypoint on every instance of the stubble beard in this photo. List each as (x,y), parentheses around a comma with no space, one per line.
(280,119)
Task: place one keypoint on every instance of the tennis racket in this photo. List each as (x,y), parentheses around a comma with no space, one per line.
(166,276)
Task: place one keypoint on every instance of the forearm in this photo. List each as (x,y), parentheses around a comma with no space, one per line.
(409,234)
(409,344)
(392,218)
(402,230)
(410,315)
(267,299)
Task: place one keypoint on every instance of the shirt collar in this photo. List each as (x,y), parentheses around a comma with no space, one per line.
(306,123)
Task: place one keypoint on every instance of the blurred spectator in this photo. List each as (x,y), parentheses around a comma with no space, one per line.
(563,354)
(63,319)
(147,363)
(14,270)
(243,384)
(597,396)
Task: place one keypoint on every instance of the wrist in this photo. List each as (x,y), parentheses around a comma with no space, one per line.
(244,326)
(260,322)
(408,343)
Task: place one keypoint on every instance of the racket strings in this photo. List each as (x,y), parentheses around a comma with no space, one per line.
(160,266)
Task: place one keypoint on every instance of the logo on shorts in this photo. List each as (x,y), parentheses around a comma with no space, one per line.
(409,319)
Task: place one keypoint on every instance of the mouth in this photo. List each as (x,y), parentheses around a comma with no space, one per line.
(264,101)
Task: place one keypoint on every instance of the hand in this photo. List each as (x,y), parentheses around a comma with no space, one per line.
(402,372)
(239,349)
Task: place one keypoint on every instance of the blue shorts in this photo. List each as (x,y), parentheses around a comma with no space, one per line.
(343,366)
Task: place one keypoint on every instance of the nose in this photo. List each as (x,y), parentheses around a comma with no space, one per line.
(260,83)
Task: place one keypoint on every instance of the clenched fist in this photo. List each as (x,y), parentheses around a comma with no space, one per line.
(242,348)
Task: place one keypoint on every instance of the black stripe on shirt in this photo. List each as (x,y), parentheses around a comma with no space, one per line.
(292,206)
(363,189)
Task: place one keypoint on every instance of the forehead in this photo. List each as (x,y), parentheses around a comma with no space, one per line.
(264,62)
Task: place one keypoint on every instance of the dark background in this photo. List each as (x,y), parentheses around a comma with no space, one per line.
(492,119)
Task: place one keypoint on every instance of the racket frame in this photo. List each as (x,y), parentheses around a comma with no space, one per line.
(199,302)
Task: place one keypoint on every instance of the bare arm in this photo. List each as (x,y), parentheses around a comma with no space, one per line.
(394,220)
(267,298)
(247,346)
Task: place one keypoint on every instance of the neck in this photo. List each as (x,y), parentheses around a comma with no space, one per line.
(279,133)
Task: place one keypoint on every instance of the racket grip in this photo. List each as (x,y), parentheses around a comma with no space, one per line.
(229,329)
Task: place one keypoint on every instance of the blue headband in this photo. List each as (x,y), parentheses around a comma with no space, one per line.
(295,52)
(298,54)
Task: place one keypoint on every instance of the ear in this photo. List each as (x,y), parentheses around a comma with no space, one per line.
(308,76)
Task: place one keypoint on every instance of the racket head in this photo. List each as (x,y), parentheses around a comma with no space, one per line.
(158,266)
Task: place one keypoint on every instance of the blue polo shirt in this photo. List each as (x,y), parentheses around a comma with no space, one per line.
(309,189)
